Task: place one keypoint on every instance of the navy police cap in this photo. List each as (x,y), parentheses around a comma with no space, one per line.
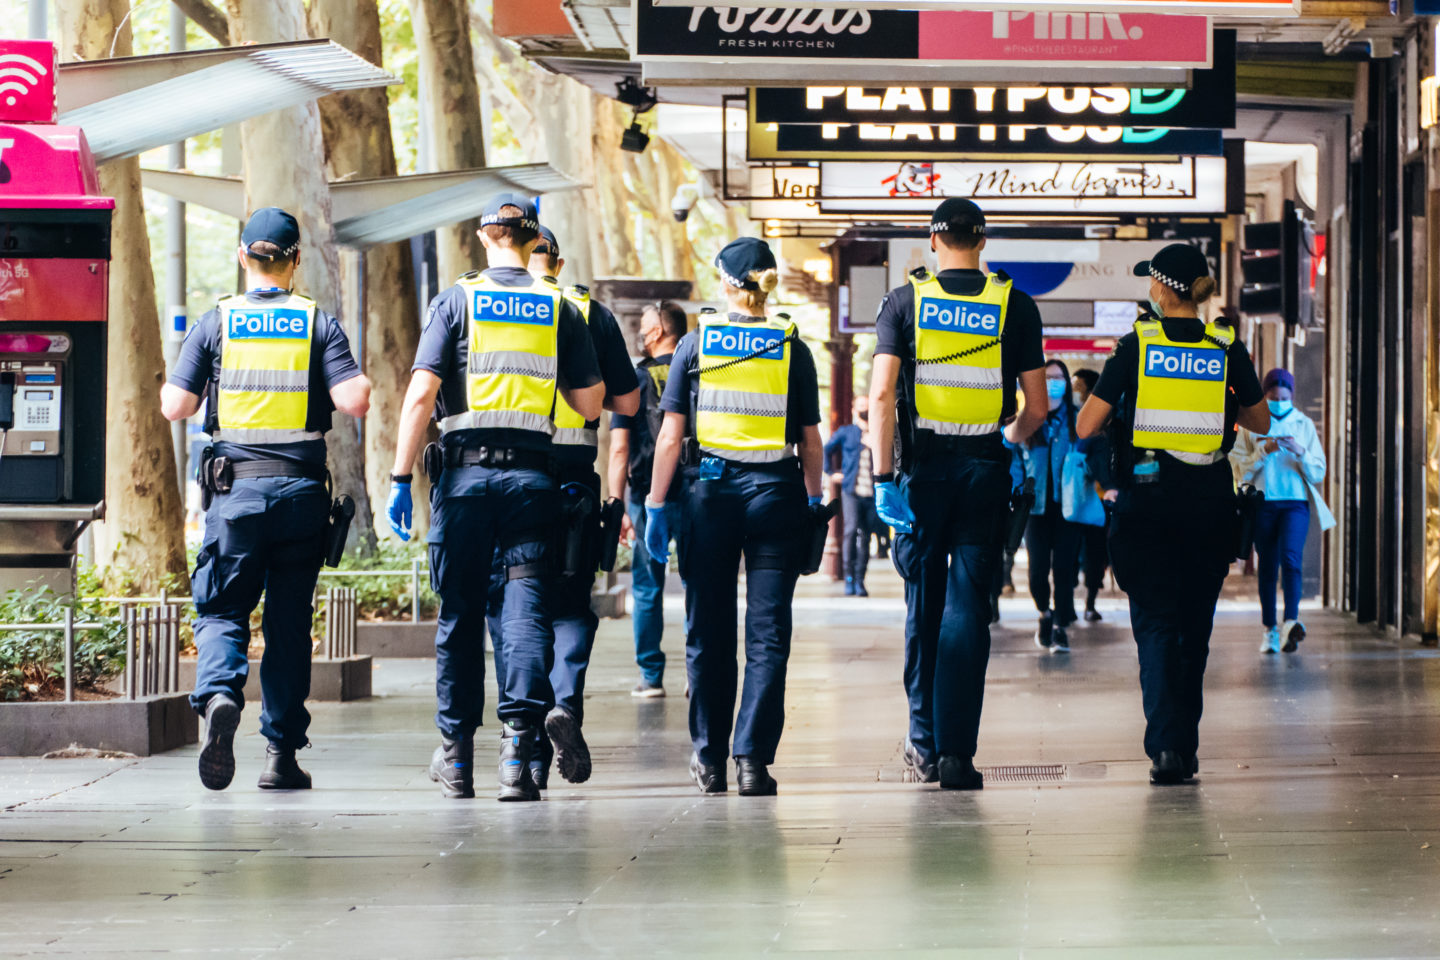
(1177,266)
(271,225)
(740,257)
(529,219)
(550,241)
(958,216)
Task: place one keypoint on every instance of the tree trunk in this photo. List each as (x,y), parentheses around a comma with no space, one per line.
(451,103)
(143,532)
(358,145)
(285,167)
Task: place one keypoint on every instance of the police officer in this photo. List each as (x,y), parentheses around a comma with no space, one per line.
(1177,386)
(632,455)
(273,366)
(955,343)
(743,400)
(576,448)
(495,349)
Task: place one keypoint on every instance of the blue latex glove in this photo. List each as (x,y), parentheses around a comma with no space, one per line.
(815,501)
(400,510)
(657,533)
(892,508)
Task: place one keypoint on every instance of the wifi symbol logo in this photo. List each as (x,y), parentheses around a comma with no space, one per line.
(19,75)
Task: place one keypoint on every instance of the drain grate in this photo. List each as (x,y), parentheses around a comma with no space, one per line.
(1034,773)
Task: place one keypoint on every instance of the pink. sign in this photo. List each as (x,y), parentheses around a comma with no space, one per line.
(1068,39)
(27,81)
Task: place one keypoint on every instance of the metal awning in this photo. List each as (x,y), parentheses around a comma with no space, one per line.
(764,74)
(600,24)
(129,105)
(383,210)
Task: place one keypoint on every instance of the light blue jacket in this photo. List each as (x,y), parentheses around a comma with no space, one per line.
(1045,460)
(1282,475)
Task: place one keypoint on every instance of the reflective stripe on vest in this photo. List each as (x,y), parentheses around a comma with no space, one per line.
(570,428)
(960,395)
(1180,392)
(264,388)
(741,410)
(511,367)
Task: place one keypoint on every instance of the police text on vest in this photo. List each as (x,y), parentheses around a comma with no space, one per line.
(1184,363)
(513,306)
(280,323)
(738,341)
(960,316)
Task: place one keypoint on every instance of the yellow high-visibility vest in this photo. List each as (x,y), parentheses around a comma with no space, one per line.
(571,428)
(1180,390)
(744,389)
(959,385)
(513,348)
(264,388)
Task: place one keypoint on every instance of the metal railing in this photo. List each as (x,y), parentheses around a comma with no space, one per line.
(341,619)
(152,645)
(417,567)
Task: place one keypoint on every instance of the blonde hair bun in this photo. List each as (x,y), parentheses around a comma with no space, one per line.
(1202,289)
(767,280)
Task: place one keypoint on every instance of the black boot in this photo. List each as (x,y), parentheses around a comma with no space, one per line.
(281,771)
(1043,632)
(453,767)
(959,773)
(1169,768)
(572,754)
(217,757)
(709,779)
(517,744)
(752,779)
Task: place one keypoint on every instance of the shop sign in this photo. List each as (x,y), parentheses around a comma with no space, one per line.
(1138,38)
(1020,8)
(1189,185)
(876,141)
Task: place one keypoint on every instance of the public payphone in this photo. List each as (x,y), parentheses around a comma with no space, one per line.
(54,278)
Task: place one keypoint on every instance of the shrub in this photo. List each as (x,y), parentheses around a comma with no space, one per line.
(32,663)
(382,598)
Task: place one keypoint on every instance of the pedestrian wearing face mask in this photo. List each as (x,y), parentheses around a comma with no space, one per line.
(1052,543)
(1286,462)
(849,445)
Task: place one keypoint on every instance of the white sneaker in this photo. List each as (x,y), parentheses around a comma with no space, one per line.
(1270,640)
(1292,632)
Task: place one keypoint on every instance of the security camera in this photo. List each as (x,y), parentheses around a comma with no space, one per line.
(685,199)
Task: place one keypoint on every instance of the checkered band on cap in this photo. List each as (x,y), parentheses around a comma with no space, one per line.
(282,255)
(736,283)
(975,229)
(495,219)
(1175,285)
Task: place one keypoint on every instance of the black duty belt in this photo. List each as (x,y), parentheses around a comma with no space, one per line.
(256,469)
(502,458)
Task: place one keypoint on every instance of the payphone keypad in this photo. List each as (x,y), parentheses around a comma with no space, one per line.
(36,431)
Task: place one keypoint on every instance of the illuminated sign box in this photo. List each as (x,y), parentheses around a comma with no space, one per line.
(1054,8)
(1138,37)
(1192,185)
(869,141)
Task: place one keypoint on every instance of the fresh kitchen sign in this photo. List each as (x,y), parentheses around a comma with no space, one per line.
(1208,103)
(919,37)
(1214,8)
(878,141)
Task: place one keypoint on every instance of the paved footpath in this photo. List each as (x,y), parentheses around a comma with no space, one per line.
(1313,831)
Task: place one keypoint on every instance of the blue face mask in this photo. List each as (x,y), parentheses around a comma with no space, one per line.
(1056,389)
(1280,408)
(1155,307)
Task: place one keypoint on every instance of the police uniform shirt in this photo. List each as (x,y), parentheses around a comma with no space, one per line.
(1021,348)
(1120,379)
(331,364)
(444,349)
(615,371)
(642,444)
(682,390)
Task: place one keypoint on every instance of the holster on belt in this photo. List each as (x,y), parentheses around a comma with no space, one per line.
(1248,512)
(612,515)
(342,511)
(433,462)
(1022,501)
(204,478)
(580,533)
(820,517)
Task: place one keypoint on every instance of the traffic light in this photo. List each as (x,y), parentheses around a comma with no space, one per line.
(1276,266)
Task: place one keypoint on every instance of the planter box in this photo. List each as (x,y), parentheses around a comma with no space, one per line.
(142,727)
(338,680)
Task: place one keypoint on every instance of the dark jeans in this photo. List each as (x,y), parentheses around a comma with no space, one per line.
(647,587)
(860,520)
(1053,543)
(264,536)
(1095,559)
(474,509)
(949,564)
(568,601)
(1280,532)
(1171,557)
(758,513)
